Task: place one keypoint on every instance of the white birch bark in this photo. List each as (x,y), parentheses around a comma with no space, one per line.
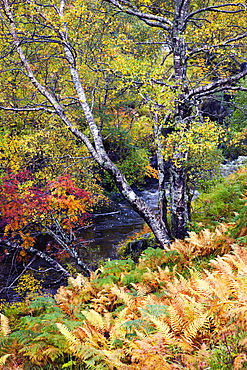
(97,150)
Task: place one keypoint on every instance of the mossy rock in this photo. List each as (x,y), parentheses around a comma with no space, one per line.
(134,248)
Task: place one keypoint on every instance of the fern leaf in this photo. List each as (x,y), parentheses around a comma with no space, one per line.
(120,293)
(52,352)
(3,359)
(176,321)
(239,360)
(77,282)
(4,324)
(71,338)
(236,261)
(94,318)
(194,328)
(162,327)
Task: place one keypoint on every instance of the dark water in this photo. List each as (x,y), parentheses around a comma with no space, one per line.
(108,230)
(103,236)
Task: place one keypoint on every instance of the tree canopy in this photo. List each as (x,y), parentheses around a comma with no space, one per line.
(120,71)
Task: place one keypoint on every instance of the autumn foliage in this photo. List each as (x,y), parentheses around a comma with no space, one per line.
(161,313)
(28,209)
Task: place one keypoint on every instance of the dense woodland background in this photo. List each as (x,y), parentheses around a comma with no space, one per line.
(100,98)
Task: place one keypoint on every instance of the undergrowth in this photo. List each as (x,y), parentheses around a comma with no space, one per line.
(186,308)
(222,202)
(180,309)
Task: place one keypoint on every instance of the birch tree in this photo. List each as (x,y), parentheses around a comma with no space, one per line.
(42,41)
(202,40)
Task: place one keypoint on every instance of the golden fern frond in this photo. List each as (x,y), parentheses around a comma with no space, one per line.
(221,310)
(162,327)
(113,359)
(4,358)
(89,351)
(176,321)
(201,240)
(227,274)
(143,289)
(64,295)
(239,360)
(162,274)
(200,288)
(77,282)
(94,318)
(236,261)
(104,301)
(178,304)
(193,307)
(195,244)
(240,311)
(5,324)
(150,353)
(123,314)
(197,286)
(194,328)
(203,243)
(92,337)
(94,274)
(177,285)
(181,247)
(220,287)
(70,337)
(221,266)
(221,229)
(120,293)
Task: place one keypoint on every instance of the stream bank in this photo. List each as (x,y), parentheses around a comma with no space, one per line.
(103,236)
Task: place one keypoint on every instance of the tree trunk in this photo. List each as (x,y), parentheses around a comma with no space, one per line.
(162,200)
(179,202)
(157,226)
(96,149)
(178,186)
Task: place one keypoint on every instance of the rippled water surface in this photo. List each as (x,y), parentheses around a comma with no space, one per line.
(104,235)
(110,229)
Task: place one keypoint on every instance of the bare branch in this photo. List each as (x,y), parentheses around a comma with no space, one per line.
(19,276)
(27,109)
(227,83)
(57,266)
(217,8)
(71,250)
(223,43)
(220,89)
(150,19)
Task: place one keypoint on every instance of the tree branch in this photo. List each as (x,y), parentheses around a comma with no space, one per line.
(217,8)
(27,109)
(70,250)
(224,43)
(222,83)
(56,266)
(150,19)
(18,277)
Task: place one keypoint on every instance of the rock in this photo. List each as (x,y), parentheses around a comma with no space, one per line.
(231,166)
(136,247)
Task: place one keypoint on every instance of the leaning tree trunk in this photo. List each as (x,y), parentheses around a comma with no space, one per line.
(96,149)
(157,226)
